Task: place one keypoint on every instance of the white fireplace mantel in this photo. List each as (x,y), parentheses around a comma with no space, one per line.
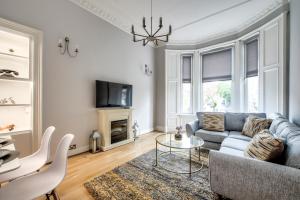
(105,117)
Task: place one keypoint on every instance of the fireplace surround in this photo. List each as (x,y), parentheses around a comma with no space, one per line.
(114,125)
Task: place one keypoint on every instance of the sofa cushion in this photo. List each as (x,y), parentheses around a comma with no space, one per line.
(236,121)
(200,117)
(238,135)
(290,134)
(235,143)
(264,146)
(213,122)
(292,154)
(281,127)
(275,123)
(254,125)
(276,115)
(212,136)
(211,145)
(231,151)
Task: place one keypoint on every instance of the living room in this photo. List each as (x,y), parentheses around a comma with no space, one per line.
(149,99)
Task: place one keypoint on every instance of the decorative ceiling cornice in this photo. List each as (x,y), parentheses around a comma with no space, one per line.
(124,26)
(235,31)
(104,14)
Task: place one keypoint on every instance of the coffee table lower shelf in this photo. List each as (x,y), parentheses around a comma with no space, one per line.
(175,152)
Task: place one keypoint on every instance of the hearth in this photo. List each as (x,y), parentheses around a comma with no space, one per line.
(119,130)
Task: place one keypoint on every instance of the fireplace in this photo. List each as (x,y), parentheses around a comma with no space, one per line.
(114,125)
(119,131)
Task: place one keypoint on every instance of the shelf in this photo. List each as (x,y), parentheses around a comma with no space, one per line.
(15,79)
(15,132)
(21,105)
(12,55)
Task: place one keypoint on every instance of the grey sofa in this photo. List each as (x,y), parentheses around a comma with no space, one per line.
(234,123)
(238,177)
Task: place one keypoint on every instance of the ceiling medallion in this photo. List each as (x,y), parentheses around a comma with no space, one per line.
(151,36)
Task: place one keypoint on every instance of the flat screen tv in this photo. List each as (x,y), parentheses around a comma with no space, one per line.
(113,94)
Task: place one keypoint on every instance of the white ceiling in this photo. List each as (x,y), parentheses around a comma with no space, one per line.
(193,21)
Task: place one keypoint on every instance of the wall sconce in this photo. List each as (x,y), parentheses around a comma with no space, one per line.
(148,71)
(65,47)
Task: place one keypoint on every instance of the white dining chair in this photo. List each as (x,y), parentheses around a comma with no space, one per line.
(33,162)
(41,183)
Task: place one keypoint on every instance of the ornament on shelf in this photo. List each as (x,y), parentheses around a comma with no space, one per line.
(10,127)
(12,101)
(8,73)
(135,129)
(7,101)
(178,135)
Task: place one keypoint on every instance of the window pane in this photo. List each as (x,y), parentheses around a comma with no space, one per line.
(186,69)
(252,94)
(186,84)
(217,66)
(186,98)
(251,49)
(217,96)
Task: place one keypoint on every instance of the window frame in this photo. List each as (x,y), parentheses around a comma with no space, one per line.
(213,49)
(190,54)
(244,92)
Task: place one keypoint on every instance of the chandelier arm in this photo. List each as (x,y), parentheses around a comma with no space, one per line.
(157,31)
(145,43)
(146,31)
(165,35)
(139,40)
(136,34)
(162,40)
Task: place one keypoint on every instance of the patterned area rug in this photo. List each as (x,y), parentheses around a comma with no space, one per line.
(139,179)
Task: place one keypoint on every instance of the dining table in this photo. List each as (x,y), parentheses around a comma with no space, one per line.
(12,164)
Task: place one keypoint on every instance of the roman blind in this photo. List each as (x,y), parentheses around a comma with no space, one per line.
(251,55)
(217,66)
(187,69)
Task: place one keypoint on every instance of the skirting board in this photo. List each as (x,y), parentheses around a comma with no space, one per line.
(117,144)
(86,148)
(146,131)
(160,128)
(78,150)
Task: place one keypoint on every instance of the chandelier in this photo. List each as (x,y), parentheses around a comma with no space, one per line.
(151,36)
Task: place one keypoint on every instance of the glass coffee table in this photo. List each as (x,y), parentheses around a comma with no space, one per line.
(175,146)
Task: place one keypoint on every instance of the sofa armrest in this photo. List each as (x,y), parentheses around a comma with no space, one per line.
(192,127)
(245,178)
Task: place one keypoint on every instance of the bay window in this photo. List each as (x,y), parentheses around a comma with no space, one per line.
(251,75)
(217,80)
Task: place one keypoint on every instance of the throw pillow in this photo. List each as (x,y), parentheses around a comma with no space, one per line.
(213,122)
(254,125)
(264,146)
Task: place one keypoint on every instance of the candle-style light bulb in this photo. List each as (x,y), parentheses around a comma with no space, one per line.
(170,30)
(160,22)
(76,49)
(60,43)
(144,22)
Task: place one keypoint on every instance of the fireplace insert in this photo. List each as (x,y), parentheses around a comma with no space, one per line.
(119,131)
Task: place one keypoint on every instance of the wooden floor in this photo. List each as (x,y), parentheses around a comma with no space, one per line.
(86,166)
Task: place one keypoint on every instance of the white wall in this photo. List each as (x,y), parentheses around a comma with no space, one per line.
(106,53)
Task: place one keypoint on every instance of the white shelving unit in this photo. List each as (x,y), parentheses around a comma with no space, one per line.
(20,51)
